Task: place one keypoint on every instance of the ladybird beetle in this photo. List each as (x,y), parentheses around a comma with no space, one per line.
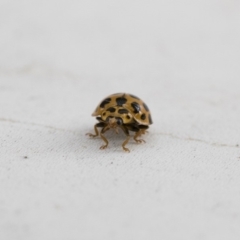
(124,111)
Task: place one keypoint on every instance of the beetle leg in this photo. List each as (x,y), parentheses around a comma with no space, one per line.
(100,124)
(124,143)
(139,131)
(138,134)
(103,137)
(125,130)
(143,129)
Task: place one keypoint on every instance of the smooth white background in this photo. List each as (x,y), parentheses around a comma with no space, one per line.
(59,59)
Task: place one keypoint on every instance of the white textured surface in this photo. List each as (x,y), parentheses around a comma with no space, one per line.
(58,59)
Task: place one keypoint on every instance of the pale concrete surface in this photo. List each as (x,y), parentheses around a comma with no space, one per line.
(58,59)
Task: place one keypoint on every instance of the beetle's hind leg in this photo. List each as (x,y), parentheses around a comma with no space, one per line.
(141,129)
(100,124)
(138,134)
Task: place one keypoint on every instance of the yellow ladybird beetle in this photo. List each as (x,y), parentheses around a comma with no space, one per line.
(124,111)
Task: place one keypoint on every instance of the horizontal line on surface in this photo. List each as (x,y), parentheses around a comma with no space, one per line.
(161,133)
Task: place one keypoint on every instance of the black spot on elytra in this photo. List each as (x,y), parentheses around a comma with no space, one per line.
(104,102)
(133,96)
(99,119)
(146,107)
(136,107)
(143,117)
(122,111)
(121,100)
(119,121)
(111,109)
(150,119)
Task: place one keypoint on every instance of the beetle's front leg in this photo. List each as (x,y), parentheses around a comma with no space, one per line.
(100,124)
(103,137)
(125,130)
